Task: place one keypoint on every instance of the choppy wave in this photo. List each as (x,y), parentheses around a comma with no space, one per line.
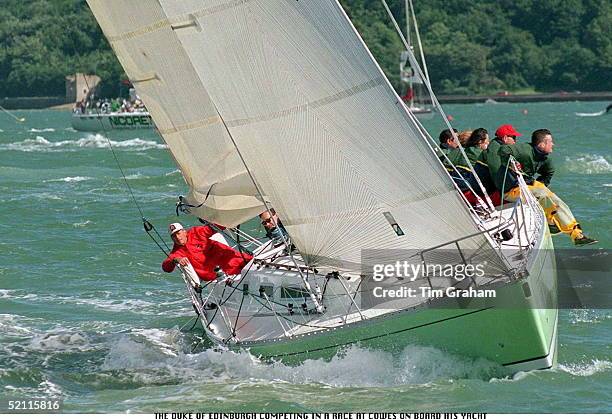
(41,144)
(600,113)
(60,341)
(588,316)
(586,369)
(10,324)
(588,164)
(71,179)
(109,305)
(42,130)
(355,367)
(82,223)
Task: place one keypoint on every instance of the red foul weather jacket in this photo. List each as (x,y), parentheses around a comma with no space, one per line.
(206,254)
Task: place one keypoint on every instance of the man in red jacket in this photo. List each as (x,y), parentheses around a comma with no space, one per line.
(196,246)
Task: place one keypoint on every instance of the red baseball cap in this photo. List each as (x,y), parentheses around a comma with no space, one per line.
(507,130)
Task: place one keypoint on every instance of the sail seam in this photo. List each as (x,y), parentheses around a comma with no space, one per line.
(140,31)
(176,20)
(213,120)
(360,88)
(432,193)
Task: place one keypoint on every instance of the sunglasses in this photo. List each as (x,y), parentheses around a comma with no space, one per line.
(266,221)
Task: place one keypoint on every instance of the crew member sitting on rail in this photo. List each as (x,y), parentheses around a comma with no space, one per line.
(474,150)
(196,247)
(273,225)
(448,141)
(505,134)
(534,160)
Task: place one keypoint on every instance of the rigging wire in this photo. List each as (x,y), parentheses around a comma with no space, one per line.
(147,225)
(435,102)
(313,297)
(15,117)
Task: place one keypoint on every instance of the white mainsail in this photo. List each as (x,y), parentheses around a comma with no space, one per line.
(311,113)
(220,189)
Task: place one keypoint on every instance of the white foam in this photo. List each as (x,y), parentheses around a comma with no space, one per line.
(10,326)
(135,176)
(82,224)
(50,389)
(60,341)
(42,130)
(588,316)
(41,144)
(588,164)
(71,179)
(356,367)
(600,113)
(586,369)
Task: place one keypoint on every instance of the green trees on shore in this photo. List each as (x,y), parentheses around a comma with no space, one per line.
(471,46)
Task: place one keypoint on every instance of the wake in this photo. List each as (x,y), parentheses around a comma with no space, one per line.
(600,113)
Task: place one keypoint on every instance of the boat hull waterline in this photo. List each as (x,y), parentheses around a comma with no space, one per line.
(517,329)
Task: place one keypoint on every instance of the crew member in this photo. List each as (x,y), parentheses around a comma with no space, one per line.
(474,148)
(505,134)
(534,160)
(196,247)
(273,225)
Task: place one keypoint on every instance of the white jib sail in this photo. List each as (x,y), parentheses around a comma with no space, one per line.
(318,124)
(166,81)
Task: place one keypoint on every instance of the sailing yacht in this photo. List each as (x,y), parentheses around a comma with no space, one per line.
(281,104)
(414,96)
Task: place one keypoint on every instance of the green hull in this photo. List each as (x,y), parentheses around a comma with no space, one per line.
(517,329)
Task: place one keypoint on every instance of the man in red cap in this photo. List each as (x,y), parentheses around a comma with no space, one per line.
(504,135)
(196,247)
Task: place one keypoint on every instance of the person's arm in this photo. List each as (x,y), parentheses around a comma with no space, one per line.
(172,260)
(230,260)
(546,172)
(168,264)
(506,176)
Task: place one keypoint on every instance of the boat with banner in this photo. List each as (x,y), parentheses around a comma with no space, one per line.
(99,121)
(354,177)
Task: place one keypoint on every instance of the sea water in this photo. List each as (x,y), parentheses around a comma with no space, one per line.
(87,315)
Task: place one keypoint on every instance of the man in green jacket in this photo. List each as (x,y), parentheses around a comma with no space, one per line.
(534,160)
(448,143)
(504,135)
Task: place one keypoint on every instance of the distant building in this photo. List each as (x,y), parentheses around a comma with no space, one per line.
(79,85)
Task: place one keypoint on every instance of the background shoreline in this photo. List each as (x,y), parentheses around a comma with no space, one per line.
(59,102)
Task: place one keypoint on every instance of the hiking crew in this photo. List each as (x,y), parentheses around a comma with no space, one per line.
(534,160)
(504,135)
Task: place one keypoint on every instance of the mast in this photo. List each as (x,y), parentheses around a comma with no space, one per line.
(410,88)
(418,36)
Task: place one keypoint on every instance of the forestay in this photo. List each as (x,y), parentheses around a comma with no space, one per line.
(167,82)
(318,124)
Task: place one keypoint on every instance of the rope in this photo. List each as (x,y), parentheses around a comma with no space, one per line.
(437,105)
(148,227)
